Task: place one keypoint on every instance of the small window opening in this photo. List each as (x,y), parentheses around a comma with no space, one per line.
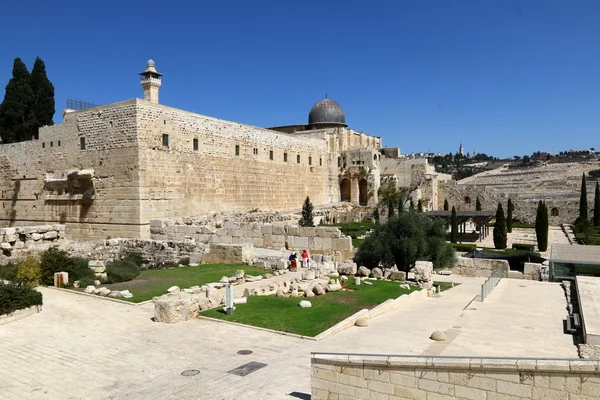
(43,145)
(309,160)
(59,143)
(51,144)
(298,158)
(270,154)
(320,162)
(237,149)
(195,144)
(165,140)
(82,143)
(285,157)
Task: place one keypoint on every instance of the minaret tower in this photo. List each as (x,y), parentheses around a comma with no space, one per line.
(151,82)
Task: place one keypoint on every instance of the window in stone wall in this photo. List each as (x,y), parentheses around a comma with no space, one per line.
(320,162)
(82,143)
(165,140)
(554,212)
(309,160)
(298,158)
(51,144)
(467,200)
(237,149)
(195,144)
(43,145)
(255,151)
(59,143)
(270,154)
(111,124)
(339,162)
(285,157)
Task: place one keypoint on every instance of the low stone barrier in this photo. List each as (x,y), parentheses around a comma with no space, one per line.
(229,254)
(363,376)
(19,314)
(22,238)
(479,267)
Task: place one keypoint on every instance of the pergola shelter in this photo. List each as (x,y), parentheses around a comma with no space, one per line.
(481,218)
(567,261)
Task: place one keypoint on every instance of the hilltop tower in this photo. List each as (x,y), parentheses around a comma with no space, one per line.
(151,82)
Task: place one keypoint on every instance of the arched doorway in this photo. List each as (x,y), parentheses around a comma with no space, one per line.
(467,200)
(554,212)
(363,194)
(345,190)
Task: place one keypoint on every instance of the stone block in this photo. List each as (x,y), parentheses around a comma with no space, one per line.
(342,244)
(36,236)
(514,389)
(50,235)
(301,242)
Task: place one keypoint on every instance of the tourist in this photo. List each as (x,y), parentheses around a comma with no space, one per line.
(293,265)
(304,259)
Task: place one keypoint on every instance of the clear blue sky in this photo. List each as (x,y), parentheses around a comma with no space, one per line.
(502,77)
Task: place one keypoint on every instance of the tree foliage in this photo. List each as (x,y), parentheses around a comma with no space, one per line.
(411,206)
(307,214)
(583,209)
(597,206)
(453,226)
(28,271)
(390,205)
(28,102)
(405,239)
(500,236)
(541,226)
(376,215)
(420,206)
(446,206)
(509,216)
(477,204)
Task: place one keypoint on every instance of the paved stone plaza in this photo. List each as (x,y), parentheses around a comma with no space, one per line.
(87,347)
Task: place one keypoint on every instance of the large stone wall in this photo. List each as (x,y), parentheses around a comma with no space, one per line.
(428,378)
(317,240)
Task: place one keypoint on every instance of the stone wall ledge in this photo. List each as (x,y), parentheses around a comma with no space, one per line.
(19,314)
(478,364)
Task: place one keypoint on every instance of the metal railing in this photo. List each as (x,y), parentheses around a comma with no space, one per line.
(491,283)
(79,105)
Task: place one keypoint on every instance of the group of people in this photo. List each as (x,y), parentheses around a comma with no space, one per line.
(294,260)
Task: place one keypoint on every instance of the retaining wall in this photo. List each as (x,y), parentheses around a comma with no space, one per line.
(346,376)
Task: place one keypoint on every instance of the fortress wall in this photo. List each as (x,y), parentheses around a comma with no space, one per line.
(178,180)
(37,171)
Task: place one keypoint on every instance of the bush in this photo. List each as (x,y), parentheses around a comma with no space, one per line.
(8,271)
(121,271)
(523,246)
(53,260)
(28,271)
(464,247)
(87,281)
(78,269)
(135,258)
(15,297)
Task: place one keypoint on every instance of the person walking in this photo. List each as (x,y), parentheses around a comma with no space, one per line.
(293,262)
(304,259)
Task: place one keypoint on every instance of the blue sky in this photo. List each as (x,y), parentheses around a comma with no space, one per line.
(502,77)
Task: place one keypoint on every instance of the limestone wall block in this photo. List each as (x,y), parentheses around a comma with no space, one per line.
(267,230)
(258,242)
(342,244)
(301,242)
(292,230)
(278,230)
(11,238)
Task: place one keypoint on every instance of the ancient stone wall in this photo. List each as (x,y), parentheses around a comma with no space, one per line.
(206,164)
(229,254)
(479,267)
(317,240)
(21,239)
(397,377)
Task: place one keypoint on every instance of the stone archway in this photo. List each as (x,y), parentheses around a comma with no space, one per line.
(554,212)
(345,190)
(363,192)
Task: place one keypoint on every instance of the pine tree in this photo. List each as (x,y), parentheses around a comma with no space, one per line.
(400,206)
(376,215)
(420,206)
(597,206)
(390,208)
(446,206)
(307,214)
(43,94)
(453,226)
(541,226)
(411,206)
(509,216)
(583,209)
(500,236)
(477,204)
(17,119)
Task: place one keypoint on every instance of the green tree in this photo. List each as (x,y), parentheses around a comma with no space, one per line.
(509,216)
(28,271)
(541,226)
(390,205)
(401,205)
(597,206)
(477,204)
(43,94)
(411,206)
(583,209)
(500,236)
(17,118)
(376,215)
(453,226)
(307,214)
(403,240)
(446,206)
(420,206)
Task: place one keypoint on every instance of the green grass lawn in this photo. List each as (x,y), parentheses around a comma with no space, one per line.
(445,285)
(155,282)
(284,314)
(355,229)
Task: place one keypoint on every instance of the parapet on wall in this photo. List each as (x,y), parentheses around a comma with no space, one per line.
(403,377)
(317,240)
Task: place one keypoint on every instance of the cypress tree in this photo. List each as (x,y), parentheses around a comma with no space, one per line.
(376,215)
(453,226)
(500,236)
(509,217)
(541,226)
(420,206)
(400,206)
(43,94)
(17,119)
(307,213)
(477,204)
(446,207)
(390,208)
(583,209)
(411,206)
(597,206)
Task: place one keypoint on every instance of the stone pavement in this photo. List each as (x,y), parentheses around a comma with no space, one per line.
(86,347)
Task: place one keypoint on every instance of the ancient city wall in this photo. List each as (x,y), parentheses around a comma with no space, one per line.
(398,377)
(317,240)
(45,180)
(231,170)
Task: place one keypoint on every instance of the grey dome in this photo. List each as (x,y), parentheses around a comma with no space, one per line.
(326,111)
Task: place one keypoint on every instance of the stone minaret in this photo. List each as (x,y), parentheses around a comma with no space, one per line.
(151,82)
